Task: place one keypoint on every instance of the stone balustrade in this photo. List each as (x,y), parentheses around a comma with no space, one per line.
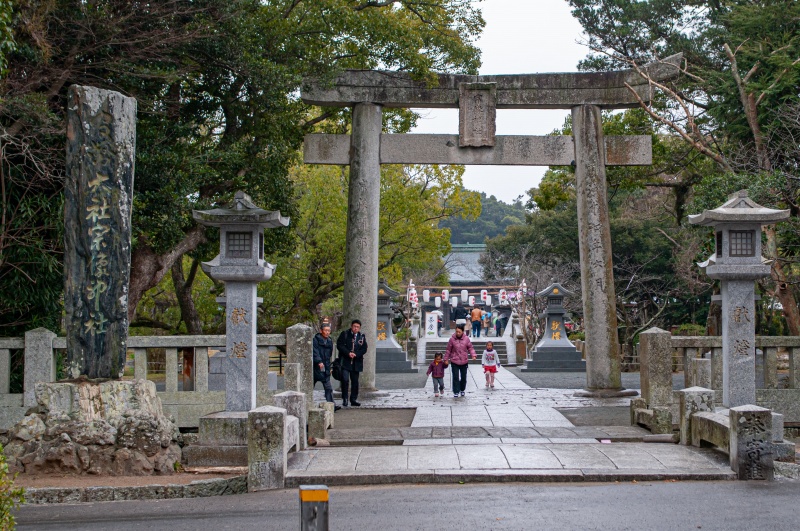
(186,394)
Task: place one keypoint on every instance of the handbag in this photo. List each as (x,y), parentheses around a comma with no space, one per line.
(336,369)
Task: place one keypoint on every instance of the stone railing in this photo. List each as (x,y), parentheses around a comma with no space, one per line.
(777,390)
(193,383)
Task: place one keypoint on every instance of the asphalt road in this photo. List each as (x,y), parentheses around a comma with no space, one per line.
(636,506)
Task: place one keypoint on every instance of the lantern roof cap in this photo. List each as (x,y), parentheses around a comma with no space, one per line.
(241,211)
(739,208)
(384,289)
(554,290)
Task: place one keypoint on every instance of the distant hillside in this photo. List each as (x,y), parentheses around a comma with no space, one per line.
(495,217)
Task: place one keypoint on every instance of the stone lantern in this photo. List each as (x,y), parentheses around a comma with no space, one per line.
(389,355)
(737,263)
(240,265)
(555,352)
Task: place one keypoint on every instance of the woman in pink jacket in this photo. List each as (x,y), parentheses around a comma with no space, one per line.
(458,351)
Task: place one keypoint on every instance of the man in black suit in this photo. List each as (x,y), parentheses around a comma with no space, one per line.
(352,345)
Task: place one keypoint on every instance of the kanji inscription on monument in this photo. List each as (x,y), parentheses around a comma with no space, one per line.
(101,141)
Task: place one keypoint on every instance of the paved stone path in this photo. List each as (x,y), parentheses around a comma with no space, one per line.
(510,433)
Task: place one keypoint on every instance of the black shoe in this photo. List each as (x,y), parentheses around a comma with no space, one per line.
(354,403)
(337,408)
(344,403)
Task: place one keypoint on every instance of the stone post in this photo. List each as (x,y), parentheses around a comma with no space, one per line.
(295,404)
(751,442)
(299,350)
(701,372)
(5,371)
(360,299)
(655,355)
(739,343)
(603,377)
(40,367)
(266,455)
(98,195)
(693,400)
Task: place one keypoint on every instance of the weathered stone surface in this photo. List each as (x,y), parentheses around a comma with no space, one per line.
(594,237)
(655,355)
(710,429)
(693,400)
(751,451)
(701,372)
(101,143)
(523,91)
(738,343)
(477,114)
(40,365)
(317,424)
(115,428)
(508,150)
(266,455)
(299,350)
(295,404)
(360,298)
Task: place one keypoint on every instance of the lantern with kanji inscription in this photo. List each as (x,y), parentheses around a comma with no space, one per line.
(737,263)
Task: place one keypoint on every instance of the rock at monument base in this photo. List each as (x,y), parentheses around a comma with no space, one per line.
(111,428)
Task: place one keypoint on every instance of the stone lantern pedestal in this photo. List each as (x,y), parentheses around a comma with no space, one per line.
(555,352)
(737,263)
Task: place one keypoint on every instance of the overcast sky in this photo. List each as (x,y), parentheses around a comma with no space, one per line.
(520,37)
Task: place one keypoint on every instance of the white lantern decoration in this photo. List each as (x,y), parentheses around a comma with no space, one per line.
(453,301)
(445,295)
(437,301)
(426,295)
(503,296)
(412,294)
(464,295)
(414,304)
(489,300)
(472,300)
(484,294)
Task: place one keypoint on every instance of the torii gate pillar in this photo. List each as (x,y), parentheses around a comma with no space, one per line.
(603,376)
(360,298)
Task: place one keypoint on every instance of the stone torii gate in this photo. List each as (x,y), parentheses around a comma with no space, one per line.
(478,98)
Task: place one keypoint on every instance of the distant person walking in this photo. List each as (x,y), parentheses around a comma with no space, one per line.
(322,352)
(436,371)
(460,315)
(457,355)
(490,362)
(476,317)
(352,345)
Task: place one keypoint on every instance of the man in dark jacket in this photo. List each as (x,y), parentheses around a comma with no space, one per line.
(352,345)
(323,352)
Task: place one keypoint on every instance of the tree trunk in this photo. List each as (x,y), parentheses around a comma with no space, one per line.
(183,291)
(148,268)
(783,289)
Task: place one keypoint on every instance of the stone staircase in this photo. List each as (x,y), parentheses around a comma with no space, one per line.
(432,348)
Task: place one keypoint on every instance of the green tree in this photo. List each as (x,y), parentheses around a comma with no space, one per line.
(737,102)
(217,84)
(414,200)
(495,216)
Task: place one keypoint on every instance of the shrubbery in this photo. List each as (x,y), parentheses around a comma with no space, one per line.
(10,496)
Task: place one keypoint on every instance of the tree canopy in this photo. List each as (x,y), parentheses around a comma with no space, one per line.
(217,88)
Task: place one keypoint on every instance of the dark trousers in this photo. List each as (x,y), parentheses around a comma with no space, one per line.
(326,384)
(459,377)
(476,329)
(347,377)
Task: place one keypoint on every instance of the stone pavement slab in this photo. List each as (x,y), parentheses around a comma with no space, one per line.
(505,462)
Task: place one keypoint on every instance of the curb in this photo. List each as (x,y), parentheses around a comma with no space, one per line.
(196,489)
(295,479)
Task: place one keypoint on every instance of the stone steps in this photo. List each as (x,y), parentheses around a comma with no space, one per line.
(568,360)
(434,347)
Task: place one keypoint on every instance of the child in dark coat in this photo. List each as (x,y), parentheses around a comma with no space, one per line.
(436,370)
